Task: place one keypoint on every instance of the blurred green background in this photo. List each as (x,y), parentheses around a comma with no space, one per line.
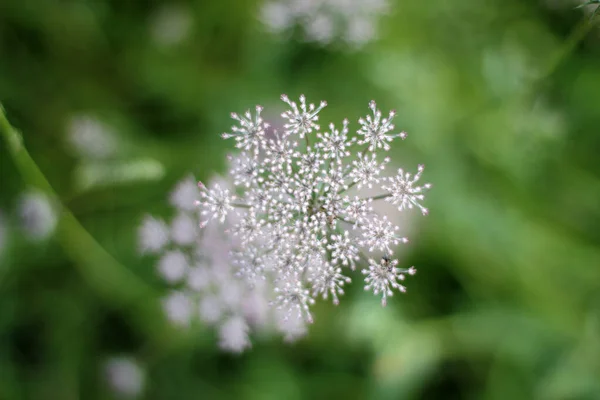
(501,100)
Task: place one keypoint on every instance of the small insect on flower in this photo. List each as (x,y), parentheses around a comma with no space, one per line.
(383,276)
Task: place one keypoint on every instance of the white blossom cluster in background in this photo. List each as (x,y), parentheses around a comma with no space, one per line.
(37,215)
(170,25)
(325,21)
(290,224)
(90,138)
(198,265)
(124,376)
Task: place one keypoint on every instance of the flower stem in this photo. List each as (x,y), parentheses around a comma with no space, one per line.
(110,279)
(381,196)
(240,205)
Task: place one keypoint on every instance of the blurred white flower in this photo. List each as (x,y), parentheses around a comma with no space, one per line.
(153,235)
(185,194)
(125,376)
(37,216)
(325,21)
(91,138)
(179,308)
(292,328)
(256,307)
(199,278)
(170,25)
(279,232)
(173,266)
(233,335)
(184,229)
(210,309)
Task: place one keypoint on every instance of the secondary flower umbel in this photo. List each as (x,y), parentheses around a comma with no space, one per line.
(301,228)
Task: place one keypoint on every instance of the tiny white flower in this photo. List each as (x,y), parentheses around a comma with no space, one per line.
(292,328)
(327,280)
(233,335)
(381,234)
(173,266)
(335,143)
(250,133)
(37,215)
(383,276)
(246,171)
(184,229)
(210,309)
(343,250)
(404,192)
(185,194)
(366,171)
(125,376)
(153,235)
(280,151)
(170,25)
(326,21)
(215,203)
(294,300)
(357,210)
(301,121)
(91,138)
(309,162)
(375,129)
(178,308)
(199,278)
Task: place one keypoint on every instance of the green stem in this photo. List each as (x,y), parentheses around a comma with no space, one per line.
(240,205)
(346,221)
(381,196)
(111,280)
(576,36)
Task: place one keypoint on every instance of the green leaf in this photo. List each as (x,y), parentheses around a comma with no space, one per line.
(589,3)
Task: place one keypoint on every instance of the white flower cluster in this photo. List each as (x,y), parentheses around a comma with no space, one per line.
(36,218)
(324,21)
(90,138)
(202,266)
(254,251)
(37,215)
(295,213)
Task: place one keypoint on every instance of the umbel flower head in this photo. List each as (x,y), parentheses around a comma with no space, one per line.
(289,225)
(294,209)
